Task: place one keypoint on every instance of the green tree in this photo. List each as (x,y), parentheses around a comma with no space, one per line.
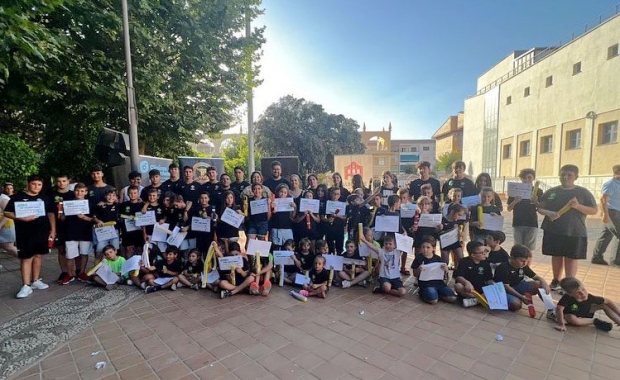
(237,153)
(296,127)
(445,160)
(17,160)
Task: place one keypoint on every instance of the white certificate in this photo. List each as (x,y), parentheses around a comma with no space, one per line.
(387,223)
(493,223)
(432,271)
(404,243)
(470,201)
(429,220)
(408,210)
(333,262)
(162,280)
(365,251)
(520,189)
(283,257)
(201,224)
(106,233)
(76,207)
(146,219)
(226,261)
(448,238)
(232,217)
(107,275)
(284,204)
(177,237)
(348,261)
(130,225)
(131,264)
(26,209)
(213,276)
(258,246)
(337,208)
(496,296)
(161,232)
(300,279)
(547,299)
(312,205)
(259,206)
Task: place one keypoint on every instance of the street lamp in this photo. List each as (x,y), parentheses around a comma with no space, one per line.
(131,95)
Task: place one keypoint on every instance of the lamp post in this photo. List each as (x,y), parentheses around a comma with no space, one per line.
(131,94)
(248,34)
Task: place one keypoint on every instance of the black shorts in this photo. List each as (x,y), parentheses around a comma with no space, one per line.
(133,238)
(396,283)
(30,246)
(571,247)
(585,309)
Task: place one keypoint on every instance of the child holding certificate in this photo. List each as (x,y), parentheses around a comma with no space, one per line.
(486,206)
(167,270)
(424,207)
(472,274)
(450,222)
(281,221)
(353,274)
(78,240)
(205,213)
(153,205)
(307,223)
(335,225)
(226,232)
(259,214)
(233,282)
(115,263)
(191,276)
(433,289)
(107,212)
(133,239)
(389,264)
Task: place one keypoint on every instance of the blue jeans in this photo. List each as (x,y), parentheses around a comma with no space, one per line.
(432,293)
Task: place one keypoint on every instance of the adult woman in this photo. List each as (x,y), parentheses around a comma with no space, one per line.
(256,177)
(484,180)
(358,183)
(295,191)
(312,182)
(7,227)
(344,193)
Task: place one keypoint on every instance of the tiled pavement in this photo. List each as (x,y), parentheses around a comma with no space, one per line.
(352,334)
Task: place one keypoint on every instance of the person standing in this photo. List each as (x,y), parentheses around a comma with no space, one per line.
(240,183)
(7,227)
(525,217)
(424,170)
(98,189)
(172,183)
(276,178)
(610,204)
(459,180)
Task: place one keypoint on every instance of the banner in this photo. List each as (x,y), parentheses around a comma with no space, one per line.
(200,165)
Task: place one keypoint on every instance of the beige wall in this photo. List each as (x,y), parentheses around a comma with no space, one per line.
(545,162)
(362,161)
(497,71)
(525,161)
(604,156)
(507,164)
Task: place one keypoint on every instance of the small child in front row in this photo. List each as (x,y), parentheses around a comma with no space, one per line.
(115,263)
(192,270)
(433,290)
(577,307)
(513,274)
(170,268)
(233,283)
(289,270)
(346,274)
(487,206)
(497,255)
(389,267)
(472,273)
(319,279)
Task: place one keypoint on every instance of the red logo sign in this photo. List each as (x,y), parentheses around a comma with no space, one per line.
(353,169)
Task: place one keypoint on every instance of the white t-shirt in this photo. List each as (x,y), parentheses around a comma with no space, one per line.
(126,194)
(390,264)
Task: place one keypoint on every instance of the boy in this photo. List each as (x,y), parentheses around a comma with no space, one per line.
(155,178)
(170,268)
(132,240)
(472,273)
(525,218)
(79,241)
(234,283)
(59,194)
(319,278)
(115,263)
(577,307)
(498,255)
(427,191)
(104,213)
(357,212)
(512,275)
(135,179)
(389,267)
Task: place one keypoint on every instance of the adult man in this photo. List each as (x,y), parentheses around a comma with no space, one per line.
(565,236)
(217,197)
(173,182)
(240,182)
(59,194)
(155,178)
(188,188)
(32,232)
(276,177)
(610,204)
(459,180)
(424,170)
(97,190)
(135,179)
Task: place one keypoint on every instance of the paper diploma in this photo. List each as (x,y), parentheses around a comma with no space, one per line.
(26,209)
(300,279)
(226,261)
(387,223)
(201,224)
(408,210)
(520,189)
(284,204)
(106,233)
(232,217)
(332,206)
(493,223)
(76,207)
(429,220)
(312,205)
(258,246)
(160,232)
(283,258)
(432,271)
(131,264)
(450,237)
(130,225)
(177,237)
(333,262)
(404,243)
(496,296)
(146,219)
(107,275)
(259,207)
(470,201)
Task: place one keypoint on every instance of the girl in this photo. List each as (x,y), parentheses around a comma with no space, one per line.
(361,271)
(192,269)
(450,222)
(307,223)
(335,225)
(160,216)
(319,279)
(321,195)
(432,290)
(226,232)
(487,206)
(424,207)
(282,221)
(304,258)
(203,210)
(262,275)
(257,223)
(454,196)
(358,183)
(170,268)
(243,277)
(484,180)
(387,188)
(525,216)
(337,180)
(394,210)
(357,213)
(289,270)
(312,181)
(256,177)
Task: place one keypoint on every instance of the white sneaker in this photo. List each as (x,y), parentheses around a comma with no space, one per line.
(129,282)
(469,302)
(179,285)
(143,285)
(346,284)
(24,292)
(173,287)
(39,285)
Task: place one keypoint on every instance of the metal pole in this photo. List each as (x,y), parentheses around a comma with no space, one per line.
(131,98)
(248,34)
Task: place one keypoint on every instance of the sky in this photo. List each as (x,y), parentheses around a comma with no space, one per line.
(408,62)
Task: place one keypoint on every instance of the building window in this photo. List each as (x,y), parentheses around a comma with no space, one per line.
(405,149)
(507,151)
(546,144)
(414,149)
(576,68)
(608,133)
(573,139)
(524,148)
(526,92)
(549,81)
(382,161)
(508,100)
(612,51)
(425,148)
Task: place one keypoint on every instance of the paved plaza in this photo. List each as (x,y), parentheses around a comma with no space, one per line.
(62,333)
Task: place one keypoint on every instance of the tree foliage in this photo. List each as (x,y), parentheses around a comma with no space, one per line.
(62,72)
(296,127)
(445,160)
(237,153)
(17,160)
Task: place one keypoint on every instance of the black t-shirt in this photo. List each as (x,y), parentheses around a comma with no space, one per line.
(464,184)
(344,193)
(97,194)
(357,214)
(212,188)
(193,269)
(307,261)
(272,183)
(385,193)
(478,274)
(77,229)
(189,191)
(416,184)
(225,230)
(385,212)
(355,256)
(423,260)
(498,257)
(580,309)
(175,218)
(524,212)
(175,266)
(107,212)
(240,186)
(38,227)
(198,211)
(257,218)
(485,210)
(281,220)
(447,227)
(144,195)
(58,198)
(170,185)
(217,198)
(319,277)
(512,276)
(573,223)
(129,209)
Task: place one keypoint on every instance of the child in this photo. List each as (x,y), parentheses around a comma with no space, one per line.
(192,270)
(282,221)
(78,240)
(431,291)
(115,263)
(577,307)
(361,271)
(357,213)
(160,215)
(258,222)
(289,270)
(389,264)
(335,225)
(454,196)
(107,212)
(427,191)
(168,268)
(307,222)
(513,274)
(321,248)
(424,207)
(242,275)
(226,232)
(262,275)
(319,277)
(487,197)
(451,221)
(132,240)
(405,198)
(472,274)
(394,210)
(202,210)
(498,255)
(525,217)
(303,258)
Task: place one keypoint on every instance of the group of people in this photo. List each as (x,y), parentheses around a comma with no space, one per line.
(201,222)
